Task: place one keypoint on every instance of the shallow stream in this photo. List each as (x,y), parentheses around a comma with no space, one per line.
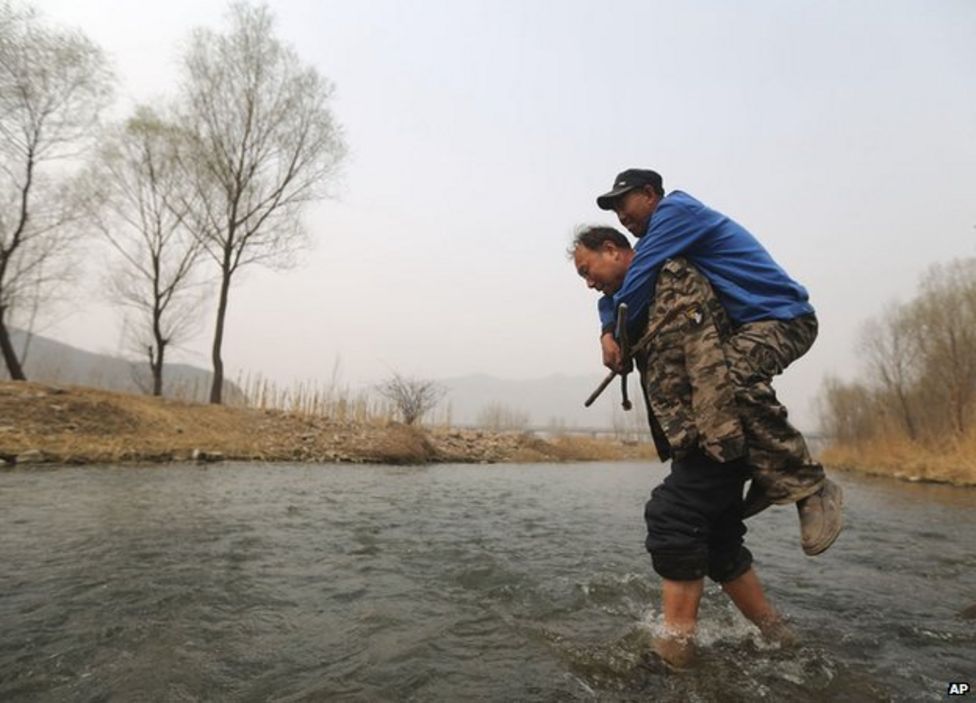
(443,583)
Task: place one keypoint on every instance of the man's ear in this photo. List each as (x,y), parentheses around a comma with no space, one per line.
(610,248)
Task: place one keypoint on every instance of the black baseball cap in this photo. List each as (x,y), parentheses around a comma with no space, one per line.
(627,181)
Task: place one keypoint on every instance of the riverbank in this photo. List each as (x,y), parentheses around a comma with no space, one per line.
(953,463)
(77,425)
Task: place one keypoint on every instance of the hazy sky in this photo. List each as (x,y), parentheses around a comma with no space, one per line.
(842,134)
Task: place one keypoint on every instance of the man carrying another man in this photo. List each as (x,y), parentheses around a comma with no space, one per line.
(721,319)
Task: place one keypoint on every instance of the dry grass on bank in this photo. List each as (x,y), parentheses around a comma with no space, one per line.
(81,425)
(73,424)
(953,462)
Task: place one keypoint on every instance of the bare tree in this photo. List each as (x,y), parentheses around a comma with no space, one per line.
(413,398)
(945,324)
(53,85)
(264,144)
(922,364)
(141,217)
(892,352)
(847,411)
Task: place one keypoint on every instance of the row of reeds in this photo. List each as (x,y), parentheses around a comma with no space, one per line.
(951,459)
(314,398)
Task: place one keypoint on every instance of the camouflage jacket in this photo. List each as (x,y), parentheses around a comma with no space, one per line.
(684,375)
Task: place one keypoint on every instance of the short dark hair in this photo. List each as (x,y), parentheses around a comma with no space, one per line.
(594,237)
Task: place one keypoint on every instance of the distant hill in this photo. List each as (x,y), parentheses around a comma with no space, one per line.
(552,401)
(51,361)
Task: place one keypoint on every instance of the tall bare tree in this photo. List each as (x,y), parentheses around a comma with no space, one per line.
(53,85)
(265,143)
(142,216)
(945,323)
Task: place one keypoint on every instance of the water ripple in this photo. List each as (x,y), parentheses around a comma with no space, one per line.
(529,583)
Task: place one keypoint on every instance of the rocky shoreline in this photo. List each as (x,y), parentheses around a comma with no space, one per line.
(46,424)
(42,423)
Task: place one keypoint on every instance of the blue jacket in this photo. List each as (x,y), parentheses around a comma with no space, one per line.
(748,283)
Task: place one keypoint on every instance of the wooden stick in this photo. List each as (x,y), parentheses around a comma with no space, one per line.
(624,353)
(599,389)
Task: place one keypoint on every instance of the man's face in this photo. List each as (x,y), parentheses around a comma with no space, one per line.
(634,209)
(604,269)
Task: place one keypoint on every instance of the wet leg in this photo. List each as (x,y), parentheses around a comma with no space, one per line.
(747,593)
(676,645)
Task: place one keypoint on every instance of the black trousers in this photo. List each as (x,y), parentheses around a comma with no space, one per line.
(694,520)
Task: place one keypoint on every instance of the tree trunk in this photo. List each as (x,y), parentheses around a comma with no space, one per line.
(958,411)
(218,364)
(156,361)
(156,366)
(9,355)
(906,415)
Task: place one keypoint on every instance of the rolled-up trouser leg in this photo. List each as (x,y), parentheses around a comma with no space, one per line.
(781,461)
(694,520)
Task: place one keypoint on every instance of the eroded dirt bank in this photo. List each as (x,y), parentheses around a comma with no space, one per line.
(72,424)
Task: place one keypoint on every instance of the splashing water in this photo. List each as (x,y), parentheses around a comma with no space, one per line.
(529,583)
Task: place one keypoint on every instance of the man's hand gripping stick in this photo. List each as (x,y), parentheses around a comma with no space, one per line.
(624,341)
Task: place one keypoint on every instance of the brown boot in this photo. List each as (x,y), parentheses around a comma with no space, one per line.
(821,518)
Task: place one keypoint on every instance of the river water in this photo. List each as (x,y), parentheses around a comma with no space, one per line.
(455,582)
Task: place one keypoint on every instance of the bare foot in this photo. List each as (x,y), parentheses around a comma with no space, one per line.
(777,631)
(678,652)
